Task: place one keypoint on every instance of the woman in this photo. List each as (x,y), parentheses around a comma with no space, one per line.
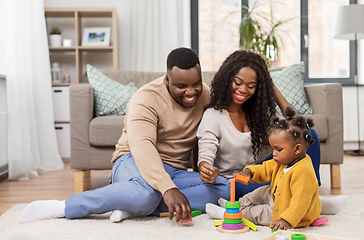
(236,124)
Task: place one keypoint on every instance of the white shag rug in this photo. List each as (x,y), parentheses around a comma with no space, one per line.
(348,224)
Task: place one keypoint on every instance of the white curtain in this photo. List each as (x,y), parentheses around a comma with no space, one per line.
(32,143)
(157,27)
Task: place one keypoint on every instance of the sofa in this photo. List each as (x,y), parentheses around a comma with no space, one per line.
(93,138)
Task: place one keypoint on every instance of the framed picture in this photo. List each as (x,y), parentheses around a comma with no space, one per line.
(99,36)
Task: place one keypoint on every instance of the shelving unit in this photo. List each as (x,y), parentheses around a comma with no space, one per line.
(72,22)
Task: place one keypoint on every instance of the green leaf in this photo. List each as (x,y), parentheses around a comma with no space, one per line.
(258,30)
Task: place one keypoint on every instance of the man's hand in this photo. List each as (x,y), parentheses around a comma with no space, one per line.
(281,224)
(208,173)
(177,201)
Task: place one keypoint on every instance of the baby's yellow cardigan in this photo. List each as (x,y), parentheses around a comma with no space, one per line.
(296,197)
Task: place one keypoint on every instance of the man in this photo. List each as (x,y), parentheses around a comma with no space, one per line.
(152,154)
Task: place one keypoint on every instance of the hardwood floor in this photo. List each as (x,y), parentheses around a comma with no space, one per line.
(59,184)
(352,177)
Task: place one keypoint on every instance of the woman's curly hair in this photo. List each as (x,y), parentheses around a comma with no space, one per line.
(260,108)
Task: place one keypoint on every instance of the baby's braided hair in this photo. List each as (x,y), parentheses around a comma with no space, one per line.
(298,127)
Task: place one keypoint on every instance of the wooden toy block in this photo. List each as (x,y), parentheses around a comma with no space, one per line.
(320,221)
(186,221)
(232,190)
(196,213)
(218,223)
(238,215)
(232,221)
(281,237)
(249,224)
(244,230)
(232,210)
(233,226)
(166,214)
(193,213)
(229,204)
(298,236)
(241,179)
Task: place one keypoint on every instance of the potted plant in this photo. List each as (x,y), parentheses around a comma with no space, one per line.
(258,32)
(55,37)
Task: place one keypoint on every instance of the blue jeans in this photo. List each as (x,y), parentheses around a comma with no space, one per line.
(313,151)
(128,191)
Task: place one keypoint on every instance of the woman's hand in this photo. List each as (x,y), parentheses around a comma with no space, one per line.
(281,224)
(208,173)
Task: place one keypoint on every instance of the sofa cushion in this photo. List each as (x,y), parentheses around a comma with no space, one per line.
(106,130)
(111,97)
(289,82)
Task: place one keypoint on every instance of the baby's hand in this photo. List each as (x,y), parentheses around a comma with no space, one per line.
(244,176)
(281,224)
(208,173)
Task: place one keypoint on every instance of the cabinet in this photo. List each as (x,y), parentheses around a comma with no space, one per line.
(3,127)
(350,111)
(63,138)
(72,23)
(73,59)
(61,111)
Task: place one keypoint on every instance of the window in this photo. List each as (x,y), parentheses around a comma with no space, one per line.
(326,59)
(307,37)
(218,31)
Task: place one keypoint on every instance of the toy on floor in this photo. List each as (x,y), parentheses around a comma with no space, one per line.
(186,221)
(245,221)
(194,213)
(233,219)
(298,236)
(250,224)
(319,221)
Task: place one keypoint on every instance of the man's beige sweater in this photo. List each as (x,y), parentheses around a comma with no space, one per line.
(156,130)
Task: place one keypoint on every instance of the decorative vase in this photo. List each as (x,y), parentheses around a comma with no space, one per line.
(56,73)
(55,40)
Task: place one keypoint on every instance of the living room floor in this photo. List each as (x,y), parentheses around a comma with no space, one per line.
(59,184)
